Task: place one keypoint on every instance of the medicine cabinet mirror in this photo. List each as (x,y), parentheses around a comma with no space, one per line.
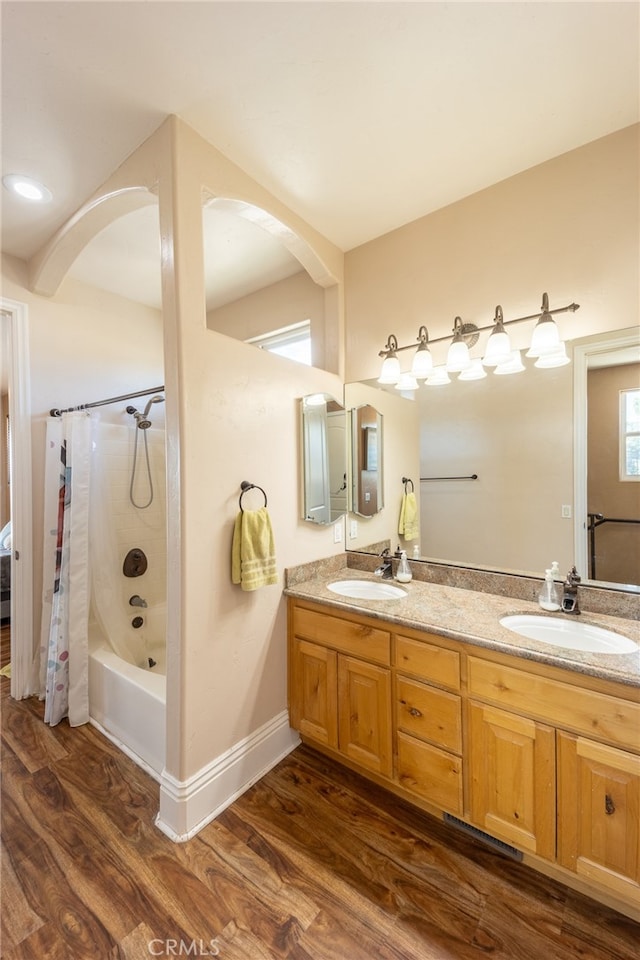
(324,459)
(366,461)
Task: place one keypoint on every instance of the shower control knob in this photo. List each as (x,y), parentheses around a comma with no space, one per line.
(137,622)
(135,563)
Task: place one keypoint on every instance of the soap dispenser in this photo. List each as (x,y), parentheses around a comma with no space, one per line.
(549,598)
(403,574)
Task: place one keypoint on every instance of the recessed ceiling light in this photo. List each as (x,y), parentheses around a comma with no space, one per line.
(27,188)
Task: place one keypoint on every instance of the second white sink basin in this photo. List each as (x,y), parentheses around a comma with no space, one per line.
(367,589)
(571,634)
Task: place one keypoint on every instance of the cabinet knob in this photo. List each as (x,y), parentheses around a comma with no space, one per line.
(609,805)
(415,712)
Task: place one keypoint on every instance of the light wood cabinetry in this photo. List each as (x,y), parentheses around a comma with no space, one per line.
(599,813)
(428,722)
(545,760)
(513,783)
(337,698)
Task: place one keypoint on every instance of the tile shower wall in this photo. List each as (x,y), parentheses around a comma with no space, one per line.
(132,527)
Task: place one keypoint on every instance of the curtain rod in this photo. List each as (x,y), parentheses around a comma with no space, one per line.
(101,403)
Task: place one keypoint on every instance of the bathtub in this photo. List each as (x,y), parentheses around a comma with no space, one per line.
(127,702)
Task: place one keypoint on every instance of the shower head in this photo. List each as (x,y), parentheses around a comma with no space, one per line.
(142,419)
(156,399)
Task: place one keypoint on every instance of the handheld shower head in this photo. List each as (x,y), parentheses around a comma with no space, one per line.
(156,399)
(142,419)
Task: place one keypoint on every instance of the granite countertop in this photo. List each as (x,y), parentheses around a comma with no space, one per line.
(474,618)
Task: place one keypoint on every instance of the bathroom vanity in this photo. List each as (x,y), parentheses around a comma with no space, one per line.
(432,698)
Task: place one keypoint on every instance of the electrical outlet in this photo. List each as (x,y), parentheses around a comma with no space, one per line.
(566,511)
(337,532)
(353,529)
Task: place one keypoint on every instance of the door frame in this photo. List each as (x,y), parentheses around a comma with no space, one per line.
(16,316)
(582,353)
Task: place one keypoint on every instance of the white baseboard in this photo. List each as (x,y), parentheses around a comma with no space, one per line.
(187,806)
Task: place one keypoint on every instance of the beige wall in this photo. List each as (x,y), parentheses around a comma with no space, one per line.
(617,545)
(570,227)
(289,301)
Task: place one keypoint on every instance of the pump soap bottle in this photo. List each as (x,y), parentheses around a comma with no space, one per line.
(403,574)
(549,598)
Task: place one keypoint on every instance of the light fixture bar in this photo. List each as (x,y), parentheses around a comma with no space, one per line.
(570,308)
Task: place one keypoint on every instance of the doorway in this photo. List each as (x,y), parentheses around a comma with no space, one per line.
(16,384)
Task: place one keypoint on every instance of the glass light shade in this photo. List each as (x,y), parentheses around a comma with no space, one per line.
(545,338)
(558,358)
(513,365)
(438,377)
(475,371)
(498,349)
(422,363)
(458,356)
(390,372)
(407,382)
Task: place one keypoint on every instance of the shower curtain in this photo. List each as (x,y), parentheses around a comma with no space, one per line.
(64,655)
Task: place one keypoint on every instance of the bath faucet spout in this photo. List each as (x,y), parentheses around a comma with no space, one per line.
(570,592)
(136,601)
(385,570)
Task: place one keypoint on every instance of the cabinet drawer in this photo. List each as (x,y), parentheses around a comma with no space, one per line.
(429,714)
(584,711)
(343,635)
(430,773)
(428,662)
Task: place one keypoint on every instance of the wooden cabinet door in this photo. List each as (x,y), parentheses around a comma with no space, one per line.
(512,763)
(364,714)
(599,813)
(313,694)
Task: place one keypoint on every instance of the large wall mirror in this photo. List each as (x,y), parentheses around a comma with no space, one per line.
(324,459)
(521,437)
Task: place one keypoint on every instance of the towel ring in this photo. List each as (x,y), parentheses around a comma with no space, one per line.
(244,486)
(406,480)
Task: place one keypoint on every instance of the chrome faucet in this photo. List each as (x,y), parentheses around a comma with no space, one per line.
(570,592)
(136,601)
(385,570)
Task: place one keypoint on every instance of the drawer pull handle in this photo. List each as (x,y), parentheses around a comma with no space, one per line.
(609,805)
(415,712)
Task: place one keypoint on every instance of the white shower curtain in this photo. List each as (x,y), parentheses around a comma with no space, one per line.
(64,658)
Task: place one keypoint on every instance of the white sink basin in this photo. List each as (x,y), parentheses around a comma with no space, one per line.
(570,634)
(367,589)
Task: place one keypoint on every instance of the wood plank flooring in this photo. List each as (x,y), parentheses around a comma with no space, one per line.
(312,863)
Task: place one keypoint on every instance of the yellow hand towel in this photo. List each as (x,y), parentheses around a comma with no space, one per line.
(409,527)
(253,560)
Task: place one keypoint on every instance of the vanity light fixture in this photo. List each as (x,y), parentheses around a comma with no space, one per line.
(458,358)
(513,365)
(27,188)
(546,347)
(546,336)
(390,372)
(422,360)
(498,345)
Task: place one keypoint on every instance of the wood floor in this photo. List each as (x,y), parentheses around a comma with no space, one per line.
(312,863)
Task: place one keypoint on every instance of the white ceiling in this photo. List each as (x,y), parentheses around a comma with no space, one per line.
(361,116)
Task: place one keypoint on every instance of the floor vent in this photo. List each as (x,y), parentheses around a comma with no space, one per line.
(505,848)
